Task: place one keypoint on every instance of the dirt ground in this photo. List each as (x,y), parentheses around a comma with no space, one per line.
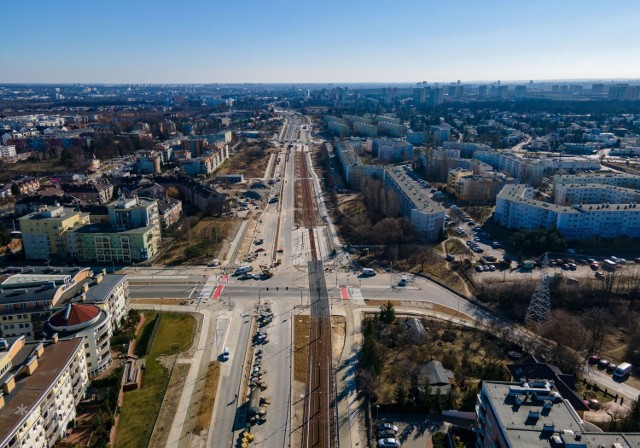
(300,359)
(338,330)
(205,238)
(207,402)
(248,160)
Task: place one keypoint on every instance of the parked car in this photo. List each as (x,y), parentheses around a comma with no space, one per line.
(226,354)
(385,426)
(611,367)
(592,404)
(387,433)
(594,359)
(388,443)
(603,364)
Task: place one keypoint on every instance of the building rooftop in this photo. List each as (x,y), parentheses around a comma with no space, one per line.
(529,412)
(416,190)
(99,292)
(74,314)
(30,390)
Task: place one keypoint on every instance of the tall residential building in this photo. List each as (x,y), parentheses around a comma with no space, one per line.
(132,235)
(29,295)
(419,96)
(426,215)
(42,382)
(78,320)
(521,91)
(390,150)
(502,92)
(44,233)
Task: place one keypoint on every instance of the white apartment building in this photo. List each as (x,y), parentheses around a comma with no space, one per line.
(365,129)
(79,320)
(567,194)
(617,179)
(111,293)
(8,152)
(532,170)
(426,216)
(386,127)
(42,382)
(534,414)
(516,209)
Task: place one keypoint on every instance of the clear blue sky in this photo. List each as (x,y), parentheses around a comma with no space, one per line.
(159,41)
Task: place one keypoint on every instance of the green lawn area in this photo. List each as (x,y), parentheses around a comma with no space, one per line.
(140,407)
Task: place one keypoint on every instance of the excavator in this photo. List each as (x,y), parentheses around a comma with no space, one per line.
(266,273)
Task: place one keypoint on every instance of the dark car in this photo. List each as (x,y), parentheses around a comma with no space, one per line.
(603,364)
(594,359)
(386,434)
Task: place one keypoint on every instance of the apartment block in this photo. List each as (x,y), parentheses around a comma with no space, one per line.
(516,208)
(426,215)
(132,234)
(390,150)
(29,295)
(364,129)
(567,194)
(533,414)
(42,382)
(92,324)
(44,233)
(616,179)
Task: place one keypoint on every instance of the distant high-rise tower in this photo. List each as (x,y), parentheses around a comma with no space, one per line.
(419,96)
(482,90)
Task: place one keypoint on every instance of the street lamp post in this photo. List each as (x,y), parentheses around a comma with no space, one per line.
(377,411)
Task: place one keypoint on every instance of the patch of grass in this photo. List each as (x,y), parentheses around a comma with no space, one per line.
(145,334)
(205,409)
(456,247)
(140,407)
(301,328)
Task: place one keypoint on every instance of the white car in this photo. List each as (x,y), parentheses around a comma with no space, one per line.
(388,443)
(385,426)
(226,354)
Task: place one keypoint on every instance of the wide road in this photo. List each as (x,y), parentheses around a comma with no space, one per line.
(230,398)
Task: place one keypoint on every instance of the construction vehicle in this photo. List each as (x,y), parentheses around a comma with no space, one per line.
(266,273)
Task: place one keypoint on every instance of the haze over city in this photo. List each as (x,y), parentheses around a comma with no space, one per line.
(326,41)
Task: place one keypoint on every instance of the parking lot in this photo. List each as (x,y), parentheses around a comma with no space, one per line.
(415,430)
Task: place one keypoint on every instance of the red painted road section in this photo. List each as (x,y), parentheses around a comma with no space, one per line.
(344,293)
(218,291)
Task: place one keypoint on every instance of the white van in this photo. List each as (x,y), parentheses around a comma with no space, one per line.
(368,272)
(243,269)
(622,371)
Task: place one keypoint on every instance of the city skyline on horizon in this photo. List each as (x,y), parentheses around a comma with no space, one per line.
(283,42)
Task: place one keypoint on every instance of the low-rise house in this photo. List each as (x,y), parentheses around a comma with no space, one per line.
(439,378)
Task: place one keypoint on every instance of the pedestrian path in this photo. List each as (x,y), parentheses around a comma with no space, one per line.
(209,287)
(356,296)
